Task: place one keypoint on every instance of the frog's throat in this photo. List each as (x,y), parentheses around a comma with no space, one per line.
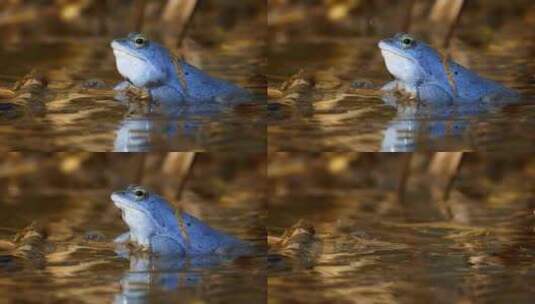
(126,206)
(126,53)
(396,53)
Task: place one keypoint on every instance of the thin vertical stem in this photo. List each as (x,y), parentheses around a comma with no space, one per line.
(138,16)
(178,14)
(407,20)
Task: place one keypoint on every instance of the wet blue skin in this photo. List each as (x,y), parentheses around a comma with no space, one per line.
(420,72)
(147,64)
(155,228)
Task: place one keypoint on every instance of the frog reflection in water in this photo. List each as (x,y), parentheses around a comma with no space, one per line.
(154,227)
(422,74)
(147,64)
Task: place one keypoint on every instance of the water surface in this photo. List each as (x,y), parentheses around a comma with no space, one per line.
(79,270)
(371,256)
(330,119)
(79,119)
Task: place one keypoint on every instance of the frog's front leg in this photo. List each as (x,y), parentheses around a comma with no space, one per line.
(390,89)
(121,86)
(409,90)
(433,93)
(123,238)
(391,86)
(121,91)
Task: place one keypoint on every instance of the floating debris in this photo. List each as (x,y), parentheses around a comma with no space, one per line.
(26,97)
(299,243)
(27,249)
(94,236)
(6,93)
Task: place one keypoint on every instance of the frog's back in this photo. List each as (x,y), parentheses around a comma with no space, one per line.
(203,87)
(204,239)
(471,87)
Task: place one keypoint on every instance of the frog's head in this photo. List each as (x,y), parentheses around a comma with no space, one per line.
(142,62)
(407,59)
(143,210)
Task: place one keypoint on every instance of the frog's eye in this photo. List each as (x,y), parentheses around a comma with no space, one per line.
(140,41)
(140,193)
(406,41)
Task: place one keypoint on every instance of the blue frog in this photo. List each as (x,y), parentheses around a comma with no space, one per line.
(157,228)
(423,74)
(147,64)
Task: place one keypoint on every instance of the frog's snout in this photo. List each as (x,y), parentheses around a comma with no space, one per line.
(381,44)
(117,43)
(385,43)
(115,196)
